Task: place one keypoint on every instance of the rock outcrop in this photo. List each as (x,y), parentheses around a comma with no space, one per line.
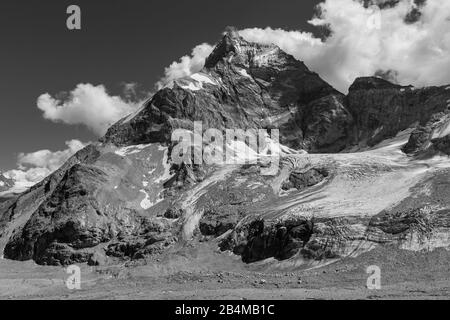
(302,180)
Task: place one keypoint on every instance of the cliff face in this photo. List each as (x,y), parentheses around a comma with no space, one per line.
(382,109)
(124,198)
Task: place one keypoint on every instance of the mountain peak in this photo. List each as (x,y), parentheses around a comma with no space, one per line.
(234,48)
(232,33)
(230,43)
(366,83)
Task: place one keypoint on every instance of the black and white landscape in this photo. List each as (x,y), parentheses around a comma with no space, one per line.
(352,119)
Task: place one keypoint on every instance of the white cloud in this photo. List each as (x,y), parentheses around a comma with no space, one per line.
(35,166)
(87,105)
(48,159)
(366,40)
(187,64)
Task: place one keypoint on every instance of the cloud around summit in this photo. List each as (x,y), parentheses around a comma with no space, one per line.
(89,105)
(409,40)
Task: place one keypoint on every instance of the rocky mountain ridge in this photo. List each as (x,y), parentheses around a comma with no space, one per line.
(349,188)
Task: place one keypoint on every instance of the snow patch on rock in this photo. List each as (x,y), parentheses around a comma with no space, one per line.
(166,175)
(196,82)
(125,151)
(146,203)
(192,86)
(244,73)
(202,78)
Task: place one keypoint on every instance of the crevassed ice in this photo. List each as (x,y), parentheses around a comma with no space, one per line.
(131,149)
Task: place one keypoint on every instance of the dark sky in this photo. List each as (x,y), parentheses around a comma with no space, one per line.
(120,41)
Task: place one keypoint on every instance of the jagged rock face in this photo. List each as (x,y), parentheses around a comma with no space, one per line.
(70,216)
(244,85)
(302,180)
(419,140)
(90,208)
(259,240)
(217,221)
(14,214)
(326,125)
(185,176)
(382,109)
(430,138)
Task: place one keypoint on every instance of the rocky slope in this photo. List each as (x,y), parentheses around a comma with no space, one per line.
(348,188)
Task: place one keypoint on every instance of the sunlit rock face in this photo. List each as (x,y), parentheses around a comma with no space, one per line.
(356,171)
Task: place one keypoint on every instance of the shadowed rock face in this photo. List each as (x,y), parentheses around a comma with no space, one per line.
(55,221)
(382,109)
(303,180)
(419,140)
(217,222)
(123,198)
(259,240)
(442,144)
(430,138)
